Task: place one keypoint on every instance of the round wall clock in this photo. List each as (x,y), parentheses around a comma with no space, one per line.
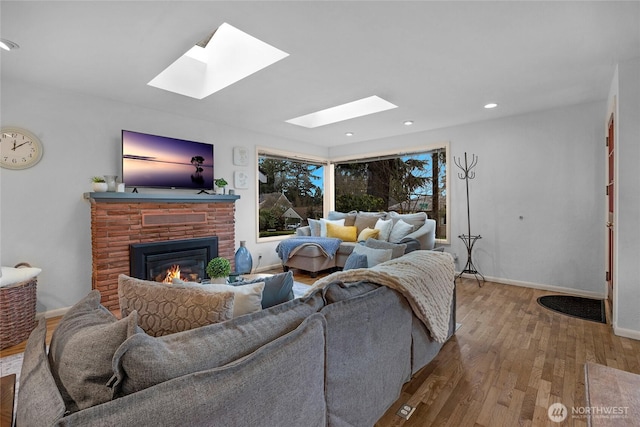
(19,148)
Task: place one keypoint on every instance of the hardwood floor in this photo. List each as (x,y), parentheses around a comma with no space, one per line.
(509,360)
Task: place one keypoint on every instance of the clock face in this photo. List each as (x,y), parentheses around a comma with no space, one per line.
(19,149)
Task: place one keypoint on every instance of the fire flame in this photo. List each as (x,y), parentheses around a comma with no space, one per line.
(172,273)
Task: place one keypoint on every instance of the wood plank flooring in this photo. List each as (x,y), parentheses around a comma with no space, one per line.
(508,362)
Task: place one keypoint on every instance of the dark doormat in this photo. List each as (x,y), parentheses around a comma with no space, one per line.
(582,308)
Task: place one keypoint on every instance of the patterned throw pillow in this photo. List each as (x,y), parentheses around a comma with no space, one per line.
(167,309)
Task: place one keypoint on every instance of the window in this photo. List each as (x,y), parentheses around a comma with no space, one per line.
(406,183)
(290,190)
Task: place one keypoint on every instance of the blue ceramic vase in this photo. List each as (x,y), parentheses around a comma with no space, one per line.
(244,262)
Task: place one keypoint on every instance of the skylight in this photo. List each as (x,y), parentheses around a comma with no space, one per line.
(350,110)
(227,57)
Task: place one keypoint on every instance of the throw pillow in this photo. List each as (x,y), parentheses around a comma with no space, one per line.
(11,275)
(355,260)
(385,227)
(397,249)
(277,288)
(314,225)
(374,256)
(399,231)
(365,221)
(324,222)
(81,350)
(368,233)
(344,233)
(166,309)
(248,297)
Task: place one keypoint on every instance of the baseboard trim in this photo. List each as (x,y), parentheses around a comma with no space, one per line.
(627,333)
(544,287)
(58,312)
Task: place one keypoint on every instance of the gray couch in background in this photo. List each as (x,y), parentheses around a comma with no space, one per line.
(338,357)
(312,259)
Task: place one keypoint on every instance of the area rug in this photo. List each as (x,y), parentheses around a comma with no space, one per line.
(582,308)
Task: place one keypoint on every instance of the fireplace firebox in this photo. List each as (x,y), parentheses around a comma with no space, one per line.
(163,261)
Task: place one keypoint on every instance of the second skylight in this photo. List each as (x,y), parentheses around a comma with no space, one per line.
(362,107)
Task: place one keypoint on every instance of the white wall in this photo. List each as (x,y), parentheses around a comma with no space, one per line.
(44,219)
(546,167)
(625,89)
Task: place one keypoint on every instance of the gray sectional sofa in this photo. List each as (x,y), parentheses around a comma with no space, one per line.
(312,258)
(336,357)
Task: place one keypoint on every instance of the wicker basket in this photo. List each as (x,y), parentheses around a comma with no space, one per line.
(17,312)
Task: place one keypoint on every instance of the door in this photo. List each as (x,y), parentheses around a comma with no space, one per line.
(610,209)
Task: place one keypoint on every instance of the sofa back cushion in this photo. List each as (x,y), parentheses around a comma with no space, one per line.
(39,400)
(349,217)
(338,291)
(368,350)
(143,361)
(166,309)
(82,347)
(365,220)
(265,388)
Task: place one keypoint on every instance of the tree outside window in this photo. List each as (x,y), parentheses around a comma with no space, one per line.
(405,183)
(290,191)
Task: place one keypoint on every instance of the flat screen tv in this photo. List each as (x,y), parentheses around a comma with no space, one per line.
(163,162)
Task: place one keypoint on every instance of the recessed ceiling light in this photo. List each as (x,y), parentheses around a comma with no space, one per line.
(8,44)
(407,122)
(349,133)
(490,105)
(225,57)
(362,107)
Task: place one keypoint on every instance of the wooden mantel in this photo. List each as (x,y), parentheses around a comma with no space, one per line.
(120,219)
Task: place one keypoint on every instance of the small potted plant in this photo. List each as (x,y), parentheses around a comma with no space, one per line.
(220,184)
(218,270)
(99,184)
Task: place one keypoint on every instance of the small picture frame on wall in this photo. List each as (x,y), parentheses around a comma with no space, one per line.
(240,156)
(240,179)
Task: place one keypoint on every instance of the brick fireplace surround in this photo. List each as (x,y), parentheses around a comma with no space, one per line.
(120,219)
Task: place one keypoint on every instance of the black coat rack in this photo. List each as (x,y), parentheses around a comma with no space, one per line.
(469,239)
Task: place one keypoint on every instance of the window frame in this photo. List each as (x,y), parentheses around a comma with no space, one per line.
(328,183)
(398,153)
(290,155)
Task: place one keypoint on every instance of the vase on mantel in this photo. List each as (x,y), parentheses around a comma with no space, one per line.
(244,262)
(111,182)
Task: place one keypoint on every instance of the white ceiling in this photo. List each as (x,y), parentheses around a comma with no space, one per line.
(440,62)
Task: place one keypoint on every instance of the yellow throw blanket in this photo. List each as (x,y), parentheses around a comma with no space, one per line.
(425,278)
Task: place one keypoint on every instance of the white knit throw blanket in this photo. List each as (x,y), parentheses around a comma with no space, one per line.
(425,278)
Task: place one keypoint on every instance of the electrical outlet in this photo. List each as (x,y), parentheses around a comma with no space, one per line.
(405,411)
(455,257)
(259,256)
